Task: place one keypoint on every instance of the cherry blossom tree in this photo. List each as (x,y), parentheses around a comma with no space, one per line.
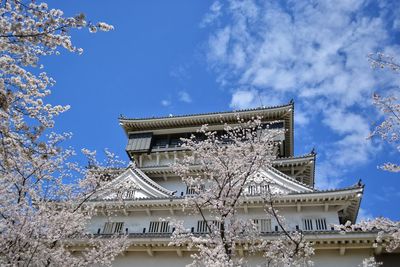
(389,131)
(228,162)
(42,192)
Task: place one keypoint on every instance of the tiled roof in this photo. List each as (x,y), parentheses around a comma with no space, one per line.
(309,155)
(172,197)
(290,104)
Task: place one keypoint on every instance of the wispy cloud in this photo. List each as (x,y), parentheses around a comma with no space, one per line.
(251,98)
(314,52)
(213,14)
(185,97)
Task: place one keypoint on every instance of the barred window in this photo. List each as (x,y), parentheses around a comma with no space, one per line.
(126,194)
(193,189)
(320,224)
(202,226)
(159,227)
(314,224)
(257,189)
(263,225)
(307,224)
(252,190)
(113,227)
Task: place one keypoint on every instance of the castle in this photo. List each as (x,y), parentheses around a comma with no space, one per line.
(151,190)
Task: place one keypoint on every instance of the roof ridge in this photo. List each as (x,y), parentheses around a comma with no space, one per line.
(355,186)
(121,117)
(149,181)
(297,157)
(273,169)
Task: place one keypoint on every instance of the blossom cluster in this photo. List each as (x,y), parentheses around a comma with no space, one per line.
(228,162)
(42,192)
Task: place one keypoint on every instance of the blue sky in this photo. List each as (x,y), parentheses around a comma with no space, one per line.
(181,57)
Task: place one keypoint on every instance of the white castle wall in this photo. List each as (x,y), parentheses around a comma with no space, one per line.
(331,258)
(137,220)
(171,183)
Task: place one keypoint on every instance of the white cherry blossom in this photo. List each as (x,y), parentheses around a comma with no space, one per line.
(42,192)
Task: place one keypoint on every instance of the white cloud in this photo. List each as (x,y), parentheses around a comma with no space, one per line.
(218,44)
(353,148)
(242,99)
(315,53)
(301,118)
(327,176)
(213,14)
(251,98)
(165,102)
(185,97)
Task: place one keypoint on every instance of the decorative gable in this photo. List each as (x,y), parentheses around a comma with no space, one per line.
(132,184)
(277,181)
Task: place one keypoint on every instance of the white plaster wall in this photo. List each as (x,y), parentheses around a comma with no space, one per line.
(332,258)
(352,258)
(163,161)
(172,183)
(137,220)
(141,259)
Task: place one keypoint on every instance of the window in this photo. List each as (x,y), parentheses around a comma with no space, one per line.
(263,188)
(263,225)
(318,224)
(168,141)
(202,226)
(126,194)
(257,189)
(175,140)
(252,190)
(139,142)
(307,224)
(113,227)
(159,227)
(194,189)
(273,125)
(161,141)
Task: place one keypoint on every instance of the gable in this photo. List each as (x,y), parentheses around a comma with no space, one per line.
(132,184)
(278,183)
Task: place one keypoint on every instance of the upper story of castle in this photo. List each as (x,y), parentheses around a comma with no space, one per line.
(154,143)
(151,189)
(162,134)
